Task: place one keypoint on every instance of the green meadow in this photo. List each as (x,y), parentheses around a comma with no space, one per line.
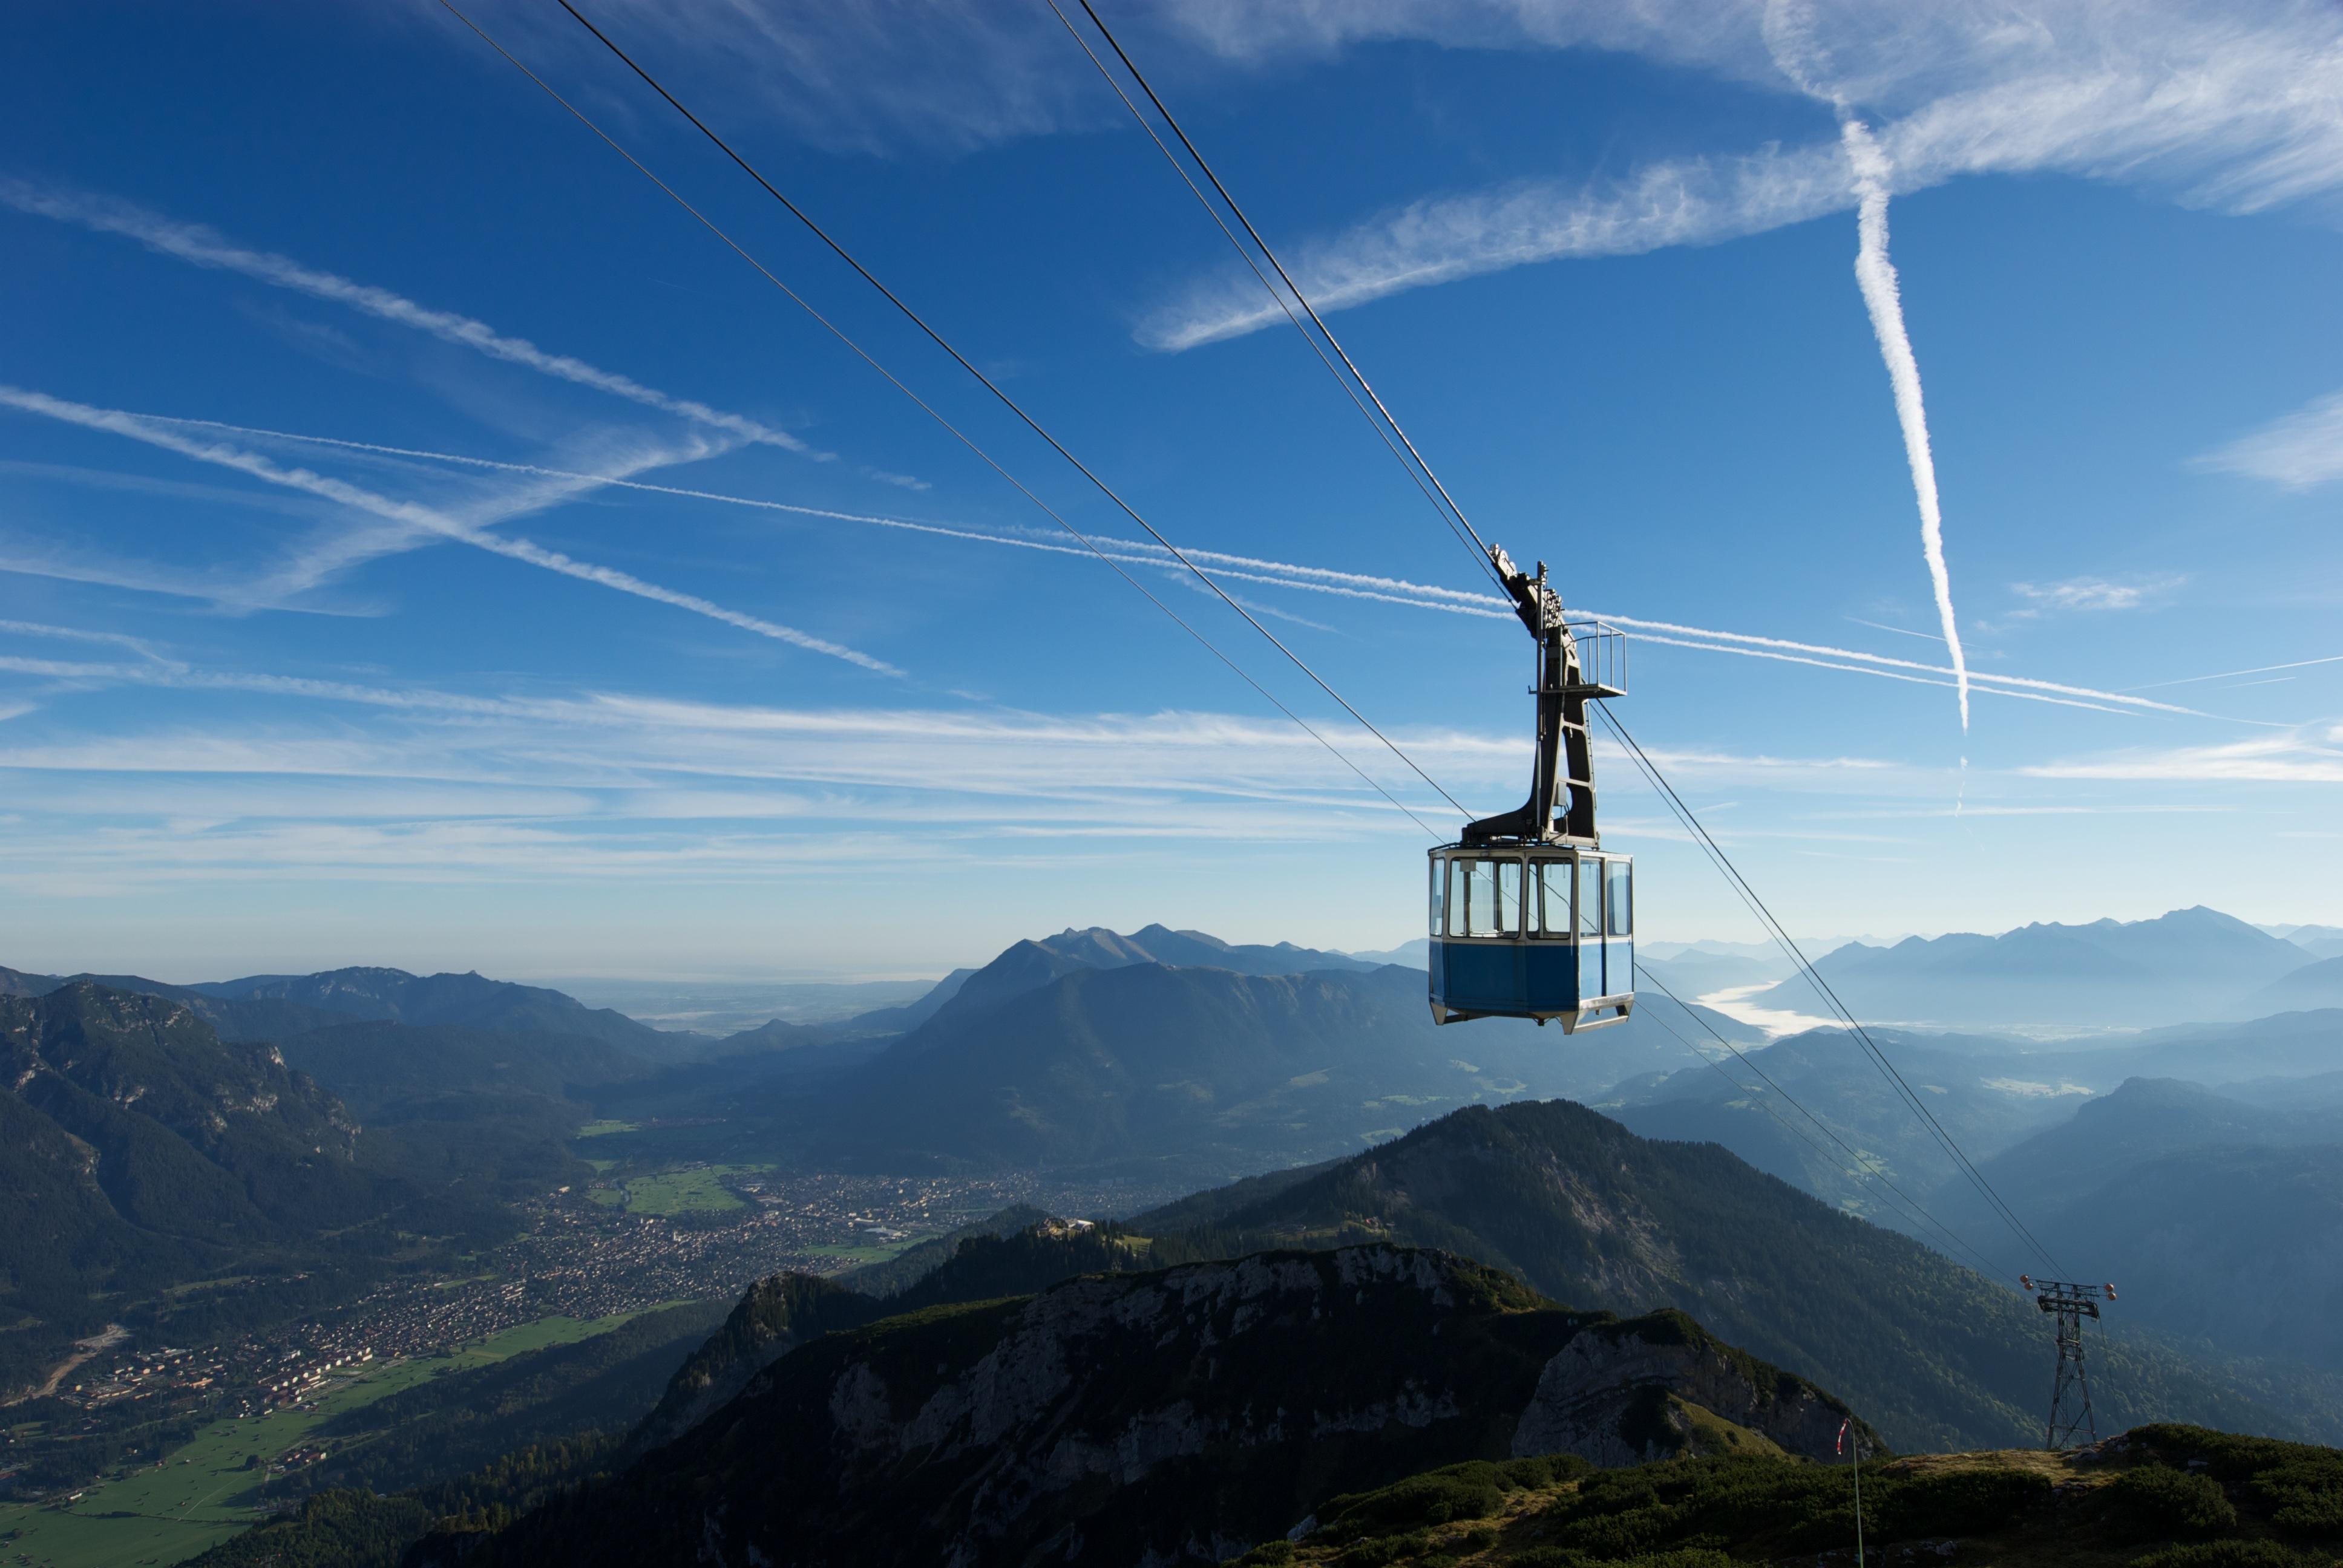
(211,1486)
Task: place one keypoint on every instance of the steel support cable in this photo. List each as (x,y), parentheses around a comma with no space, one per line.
(1454,516)
(1452,511)
(933,413)
(1847,1020)
(1853,1027)
(1246,257)
(1866,1167)
(1471,537)
(1008,402)
(1897,1082)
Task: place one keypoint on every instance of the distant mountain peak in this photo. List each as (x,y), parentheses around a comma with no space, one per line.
(2186,963)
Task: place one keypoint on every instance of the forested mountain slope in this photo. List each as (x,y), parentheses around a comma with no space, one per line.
(1203,1072)
(139,1148)
(1591,1215)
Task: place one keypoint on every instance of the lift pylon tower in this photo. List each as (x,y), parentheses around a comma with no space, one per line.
(2070,1392)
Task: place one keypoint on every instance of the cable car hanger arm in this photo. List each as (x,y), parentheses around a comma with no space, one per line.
(1564,757)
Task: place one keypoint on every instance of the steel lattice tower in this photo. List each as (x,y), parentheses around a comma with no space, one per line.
(2070,1390)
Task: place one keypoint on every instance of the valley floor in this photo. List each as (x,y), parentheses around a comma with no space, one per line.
(234,1469)
(656,1233)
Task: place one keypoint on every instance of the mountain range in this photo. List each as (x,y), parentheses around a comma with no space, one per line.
(2215,1217)
(1935,1356)
(1184,1413)
(2188,965)
(270,1007)
(1077,1051)
(1172,1056)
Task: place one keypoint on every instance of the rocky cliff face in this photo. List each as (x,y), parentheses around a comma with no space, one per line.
(1657,1386)
(1179,1416)
(772,1319)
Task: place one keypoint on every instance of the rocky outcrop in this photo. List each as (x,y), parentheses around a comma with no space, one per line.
(773,1318)
(1176,1416)
(1627,1393)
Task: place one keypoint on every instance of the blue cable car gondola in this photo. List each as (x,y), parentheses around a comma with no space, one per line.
(1530,919)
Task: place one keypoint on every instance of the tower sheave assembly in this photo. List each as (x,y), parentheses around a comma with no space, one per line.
(2070,1391)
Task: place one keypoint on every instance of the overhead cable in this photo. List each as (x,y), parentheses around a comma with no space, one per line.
(1386,429)
(933,413)
(1866,1167)
(1897,1082)
(1459,524)
(1005,400)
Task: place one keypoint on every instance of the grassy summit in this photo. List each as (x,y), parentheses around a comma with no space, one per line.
(2159,1496)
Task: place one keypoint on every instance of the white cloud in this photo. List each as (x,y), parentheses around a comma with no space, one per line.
(204,246)
(2092,594)
(2236,108)
(408,519)
(337,541)
(2298,452)
(1699,201)
(137,645)
(2299,756)
(1295,576)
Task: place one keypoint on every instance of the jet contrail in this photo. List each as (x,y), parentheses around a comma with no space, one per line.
(2225,674)
(118,422)
(1875,275)
(1285,575)
(1882,674)
(204,246)
(1289,575)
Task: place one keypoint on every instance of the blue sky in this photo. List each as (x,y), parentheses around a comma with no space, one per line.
(446,694)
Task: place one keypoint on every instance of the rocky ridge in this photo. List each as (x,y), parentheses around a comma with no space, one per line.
(1176,1416)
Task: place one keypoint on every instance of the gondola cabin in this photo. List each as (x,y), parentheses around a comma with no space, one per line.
(1529,918)
(1533,932)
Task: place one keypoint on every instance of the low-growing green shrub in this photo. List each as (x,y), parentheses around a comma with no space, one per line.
(2157,1503)
(1958,1502)
(1687,1557)
(2304,1493)
(2222,1555)
(1564,1557)
(1268,1554)
(2230,1458)
(1474,1490)
(1383,1550)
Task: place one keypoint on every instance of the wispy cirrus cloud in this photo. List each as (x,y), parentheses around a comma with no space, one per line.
(2304,756)
(137,645)
(1304,579)
(2299,451)
(2091,594)
(289,578)
(2238,109)
(406,519)
(606,772)
(204,246)
(1441,239)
